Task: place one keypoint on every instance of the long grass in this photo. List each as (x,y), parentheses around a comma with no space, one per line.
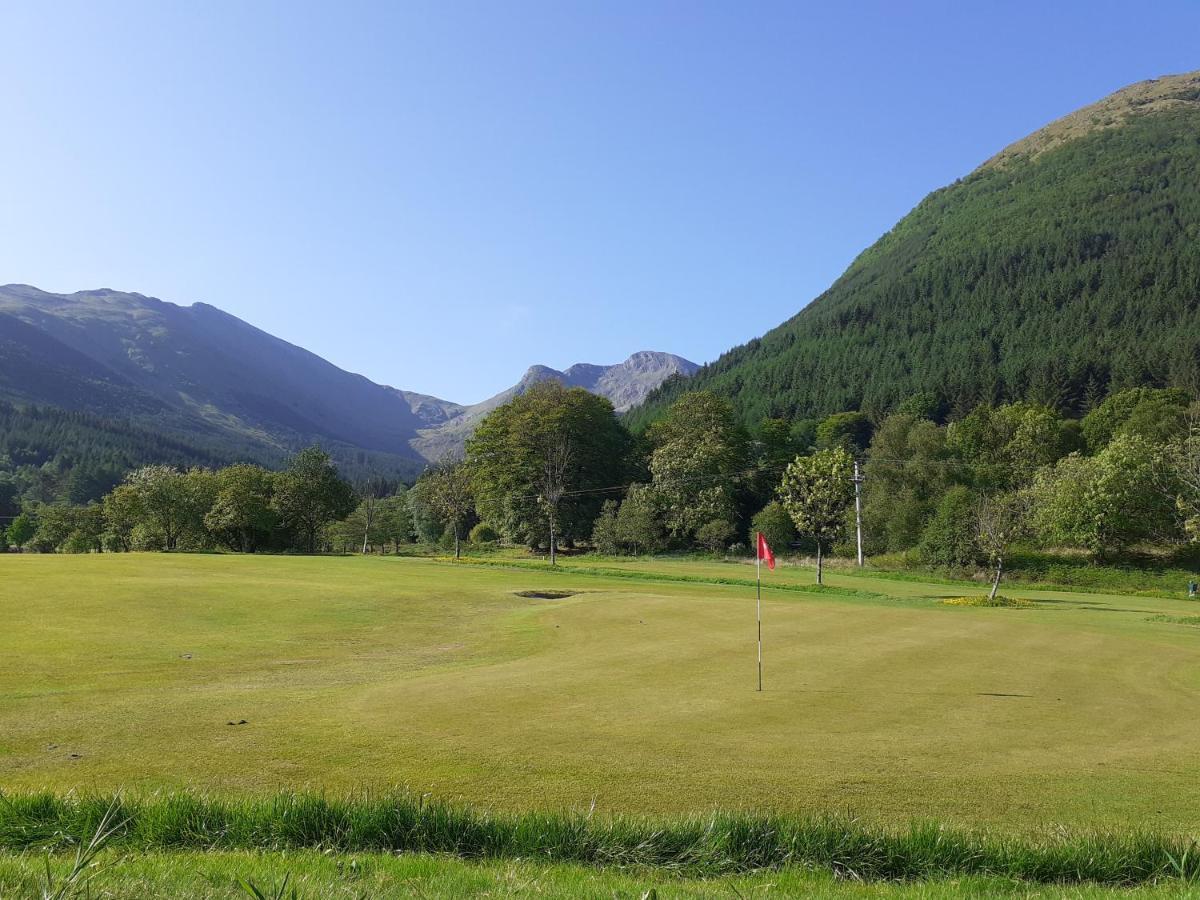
(718,844)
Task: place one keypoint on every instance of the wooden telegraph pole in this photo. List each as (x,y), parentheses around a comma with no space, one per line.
(858,511)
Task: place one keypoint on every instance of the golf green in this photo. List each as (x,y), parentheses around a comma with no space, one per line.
(636,693)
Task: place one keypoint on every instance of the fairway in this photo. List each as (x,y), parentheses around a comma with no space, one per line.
(635,694)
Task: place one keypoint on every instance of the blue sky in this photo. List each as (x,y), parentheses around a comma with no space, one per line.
(438,195)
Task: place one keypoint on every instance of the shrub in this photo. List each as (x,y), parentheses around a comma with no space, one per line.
(776,526)
(483,533)
(605,533)
(715,535)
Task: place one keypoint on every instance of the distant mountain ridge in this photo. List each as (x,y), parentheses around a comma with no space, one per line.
(200,372)
(447,425)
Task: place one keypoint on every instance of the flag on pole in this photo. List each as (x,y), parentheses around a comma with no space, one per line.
(764,552)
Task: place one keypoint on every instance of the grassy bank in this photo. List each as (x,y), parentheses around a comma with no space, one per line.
(221,875)
(691,846)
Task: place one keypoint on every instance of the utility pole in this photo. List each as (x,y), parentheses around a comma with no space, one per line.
(858,510)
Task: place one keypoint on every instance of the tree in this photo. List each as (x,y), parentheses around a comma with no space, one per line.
(999,523)
(1107,502)
(848,430)
(715,536)
(555,453)
(87,531)
(393,519)
(542,461)
(606,538)
(9,505)
(1002,447)
(242,515)
(54,525)
(122,511)
(699,453)
(309,495)
(447,488)
(640,520)
(172,504)
(1158,414)
(1183,459)
(21,529)
(906,473)
(426,524)
(817,491)
(775,525)
(950,537)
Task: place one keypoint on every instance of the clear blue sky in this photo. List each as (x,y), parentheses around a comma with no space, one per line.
(440,194)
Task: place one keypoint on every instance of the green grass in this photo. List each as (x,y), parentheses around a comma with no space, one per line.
(687,846)
(635,695)
(217,875)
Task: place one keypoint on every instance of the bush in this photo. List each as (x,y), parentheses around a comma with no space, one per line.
(949,538)
(483,533)
(776,526)
(606,536)
(715,535)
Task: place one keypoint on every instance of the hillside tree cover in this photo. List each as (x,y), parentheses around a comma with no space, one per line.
(1056,278)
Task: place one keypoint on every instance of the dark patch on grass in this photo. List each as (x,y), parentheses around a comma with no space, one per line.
(546,595)
(668,577)
(1193,621)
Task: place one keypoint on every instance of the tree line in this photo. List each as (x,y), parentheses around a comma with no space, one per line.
(242,507)
(556,468)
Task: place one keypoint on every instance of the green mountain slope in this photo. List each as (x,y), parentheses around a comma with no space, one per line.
(1065,267)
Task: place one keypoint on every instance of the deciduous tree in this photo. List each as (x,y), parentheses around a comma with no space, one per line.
(310,494)
(816,492)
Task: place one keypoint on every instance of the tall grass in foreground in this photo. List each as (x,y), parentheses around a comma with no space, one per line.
(698,845)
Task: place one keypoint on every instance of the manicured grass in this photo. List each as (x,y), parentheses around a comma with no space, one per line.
(635,695)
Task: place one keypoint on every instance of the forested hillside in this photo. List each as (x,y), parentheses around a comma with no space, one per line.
(1064,269)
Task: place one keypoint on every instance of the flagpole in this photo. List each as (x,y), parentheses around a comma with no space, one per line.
(758,572)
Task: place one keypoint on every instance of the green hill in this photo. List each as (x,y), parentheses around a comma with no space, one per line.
(1065,267)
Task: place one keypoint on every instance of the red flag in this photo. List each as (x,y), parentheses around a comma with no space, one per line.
(764,552)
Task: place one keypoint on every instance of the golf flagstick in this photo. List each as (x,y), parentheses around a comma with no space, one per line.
(762,551)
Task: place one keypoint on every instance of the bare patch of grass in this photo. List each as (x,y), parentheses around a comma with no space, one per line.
(1193,621)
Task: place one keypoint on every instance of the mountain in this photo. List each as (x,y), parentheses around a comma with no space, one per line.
(145,374)
(446,425)
(194,370)
(1064,267)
